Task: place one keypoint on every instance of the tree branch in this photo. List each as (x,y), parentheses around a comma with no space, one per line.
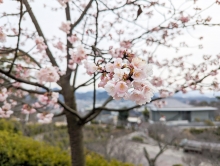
(40,33)
(82,15)
(19,35)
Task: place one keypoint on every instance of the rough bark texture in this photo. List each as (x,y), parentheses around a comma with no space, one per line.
(74,128)
(76,141)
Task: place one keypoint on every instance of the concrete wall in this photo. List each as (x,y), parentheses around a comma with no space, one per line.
(155,116)
(175,116)
(201,115)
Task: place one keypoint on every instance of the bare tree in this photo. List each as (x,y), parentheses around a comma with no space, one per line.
(165,137)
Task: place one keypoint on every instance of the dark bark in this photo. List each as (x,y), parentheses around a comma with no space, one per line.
(151,162)
(74,127)
(76,140)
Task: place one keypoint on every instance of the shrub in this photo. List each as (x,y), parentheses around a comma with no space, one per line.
(197,131)
(217,131)
(146,114)
(177,165)
(209,123)
(137,139)
(17,150)
(93,159)
(217,118)
(120,127)
(197,120)
(10,126)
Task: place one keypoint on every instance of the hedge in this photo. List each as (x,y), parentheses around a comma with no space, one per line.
(18,150)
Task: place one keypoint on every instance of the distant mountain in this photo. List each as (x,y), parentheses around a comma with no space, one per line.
(187,97)
(100,95)
(196,96)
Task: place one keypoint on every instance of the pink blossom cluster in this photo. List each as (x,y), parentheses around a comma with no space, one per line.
(160,103)
(41,46)
(2,36)
(184,19)
(5,110)
(157,81)
(63,2)
(127,78)
(22,72)
(60,46)
(48,99)
(45,117)
(165,93)
(27,109)
(1,1)
(119,52)
(3,94)
(72,39)
(48,74)
(90,67)
(76,56)
(66,26)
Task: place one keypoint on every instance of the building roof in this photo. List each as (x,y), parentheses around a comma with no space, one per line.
(175,105)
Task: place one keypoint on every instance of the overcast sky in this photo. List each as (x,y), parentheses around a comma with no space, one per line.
(51,21)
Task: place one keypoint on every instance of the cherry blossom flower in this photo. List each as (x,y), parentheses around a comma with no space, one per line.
(1,1)
(184,19)
(117,53)
(27,109)
(49,99)
(2,36)
(78,56)
(103,82)
(138,75)
(157,81)
(165,93)
(48,74)
(213,72)
(3,94)
(160,103)
(13,102)
(60,46)
(5,111)
(45,117)
(90,67)
(138,97)
(43,99)
(138,63)
(118,63)
(39,40)
(66,26)
(110,88)
(109,67)
(72,39)
(119,73)
(40,44)
(63,2)
(41,47)
(22,72)
(121,88)
(126,44)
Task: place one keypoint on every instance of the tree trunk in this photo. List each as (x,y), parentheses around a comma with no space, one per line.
(76,141)
(74,128)
(151,162)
